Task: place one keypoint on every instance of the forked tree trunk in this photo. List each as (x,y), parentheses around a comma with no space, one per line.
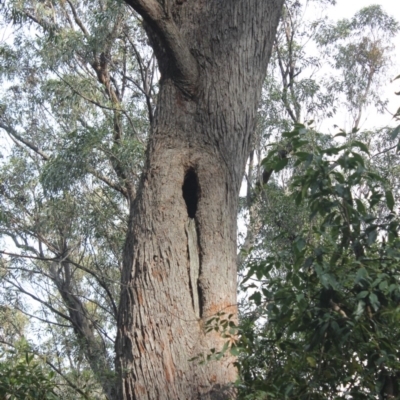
(180,256)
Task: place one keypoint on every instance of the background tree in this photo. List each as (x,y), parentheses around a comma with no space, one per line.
(347,74)
(73,166)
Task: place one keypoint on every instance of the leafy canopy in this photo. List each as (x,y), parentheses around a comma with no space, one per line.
(329,302)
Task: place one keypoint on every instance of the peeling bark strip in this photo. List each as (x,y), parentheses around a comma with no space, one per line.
(180,253)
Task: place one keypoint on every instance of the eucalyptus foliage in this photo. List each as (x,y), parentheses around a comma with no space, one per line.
(360,50)
(76,104)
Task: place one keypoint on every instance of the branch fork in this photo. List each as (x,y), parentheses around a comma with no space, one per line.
(181,66)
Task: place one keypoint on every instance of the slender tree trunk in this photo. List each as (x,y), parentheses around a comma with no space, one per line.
(180,255)
(89,343)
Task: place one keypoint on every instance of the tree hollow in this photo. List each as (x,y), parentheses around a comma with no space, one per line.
(191,191)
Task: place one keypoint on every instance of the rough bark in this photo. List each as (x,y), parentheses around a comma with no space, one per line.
(180,254)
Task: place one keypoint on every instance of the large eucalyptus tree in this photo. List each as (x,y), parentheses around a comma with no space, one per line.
(180,254)
(76,87)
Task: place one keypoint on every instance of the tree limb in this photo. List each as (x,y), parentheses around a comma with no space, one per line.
(109,182)
(27,143)
(184,71)
(46,304)
(99,280)
(78,20)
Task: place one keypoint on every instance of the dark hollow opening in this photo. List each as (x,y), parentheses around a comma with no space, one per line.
(190,192)
(201,299)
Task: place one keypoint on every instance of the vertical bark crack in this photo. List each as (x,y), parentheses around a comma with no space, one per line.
(194,264)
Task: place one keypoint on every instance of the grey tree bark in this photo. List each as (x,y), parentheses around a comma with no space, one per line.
(180,253)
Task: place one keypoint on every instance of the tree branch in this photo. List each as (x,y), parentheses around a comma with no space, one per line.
(78,20)
(109,182)
(27,143)
(99,280)
(46,321)
(46,304)
(12,132)
(146,90)
(159,23)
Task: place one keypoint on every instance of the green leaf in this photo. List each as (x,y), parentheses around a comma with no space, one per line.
(383,285)
(372,236)
(389,199)
(296,281)
(279,165)
(363,294)
(312,362)
(360,308)
(235,351)
(361,274)
(289,388)
(360,207)
(302,155)
(362,146)
(224,348)
(299,198)
(300,244)
(290,134)
(333,150)
(395,132)
(267,160)
(256,297)
(358,158)
(373,298)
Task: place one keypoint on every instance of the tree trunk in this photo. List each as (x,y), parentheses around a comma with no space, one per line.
(180,255)
(90,344)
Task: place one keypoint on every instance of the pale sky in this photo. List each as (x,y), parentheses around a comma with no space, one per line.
(347,8)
